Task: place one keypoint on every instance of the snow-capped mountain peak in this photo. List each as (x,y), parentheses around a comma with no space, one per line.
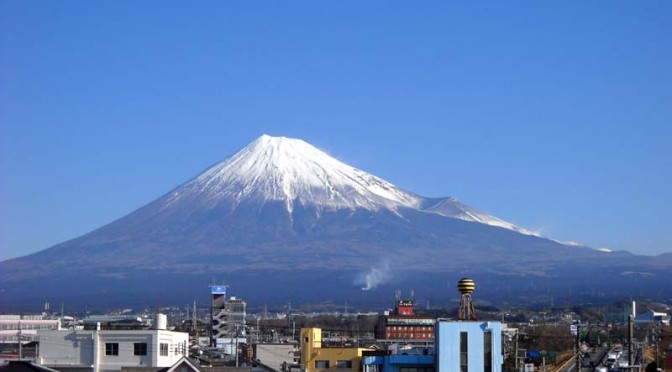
(289,170)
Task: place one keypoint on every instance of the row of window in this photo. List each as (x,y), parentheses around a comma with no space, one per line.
(410,335)
(342,364)
(139,348)
(411,321)
(24,327)
(394,328)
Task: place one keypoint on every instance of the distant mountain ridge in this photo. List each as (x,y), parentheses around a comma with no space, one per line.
(282,219)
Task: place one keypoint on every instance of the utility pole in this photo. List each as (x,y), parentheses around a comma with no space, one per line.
(578,348)
(631,344)
(194,326)
(656,334)
(515,353)
(236,345)
(20,337)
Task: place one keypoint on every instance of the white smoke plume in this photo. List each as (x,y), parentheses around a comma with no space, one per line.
(376,276)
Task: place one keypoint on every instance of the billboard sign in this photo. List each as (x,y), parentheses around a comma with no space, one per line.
(218,289)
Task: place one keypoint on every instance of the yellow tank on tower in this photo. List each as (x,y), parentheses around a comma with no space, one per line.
(466,311)
(466,286)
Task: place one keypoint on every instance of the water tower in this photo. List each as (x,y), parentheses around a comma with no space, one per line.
(466,311)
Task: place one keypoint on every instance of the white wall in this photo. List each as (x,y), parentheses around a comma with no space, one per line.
(87,348)
(67,348)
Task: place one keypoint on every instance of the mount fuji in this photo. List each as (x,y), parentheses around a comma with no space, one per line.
(293,172)
(281,220)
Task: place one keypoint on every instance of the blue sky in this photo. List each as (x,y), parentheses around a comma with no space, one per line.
(556,116)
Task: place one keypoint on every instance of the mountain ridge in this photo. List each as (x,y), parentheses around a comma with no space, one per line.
(271,223)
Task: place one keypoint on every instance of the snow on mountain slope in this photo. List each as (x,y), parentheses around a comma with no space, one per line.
(290,170)
(287,169)
(451,207)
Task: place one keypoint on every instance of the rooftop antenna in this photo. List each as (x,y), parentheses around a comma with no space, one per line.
(466,286)
(193,319)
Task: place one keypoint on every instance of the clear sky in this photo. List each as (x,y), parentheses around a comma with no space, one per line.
(553,115)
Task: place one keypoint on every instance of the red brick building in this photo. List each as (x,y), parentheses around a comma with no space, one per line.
(403,324)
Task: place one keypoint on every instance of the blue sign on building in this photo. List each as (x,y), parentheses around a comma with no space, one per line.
(217,289)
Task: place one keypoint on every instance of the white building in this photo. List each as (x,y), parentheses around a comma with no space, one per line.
(13,327)
(466,346)
(651,316)
(109,350)
(230,345)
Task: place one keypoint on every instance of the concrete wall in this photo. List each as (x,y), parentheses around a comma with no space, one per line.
(274,355)
(66,348)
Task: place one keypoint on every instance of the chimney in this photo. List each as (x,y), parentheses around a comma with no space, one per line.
(161,322)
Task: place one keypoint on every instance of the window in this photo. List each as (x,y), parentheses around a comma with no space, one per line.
(344,364)
(139,348)
(111,348)
(487,352)
(163,349)
(464,356)
(321,364)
